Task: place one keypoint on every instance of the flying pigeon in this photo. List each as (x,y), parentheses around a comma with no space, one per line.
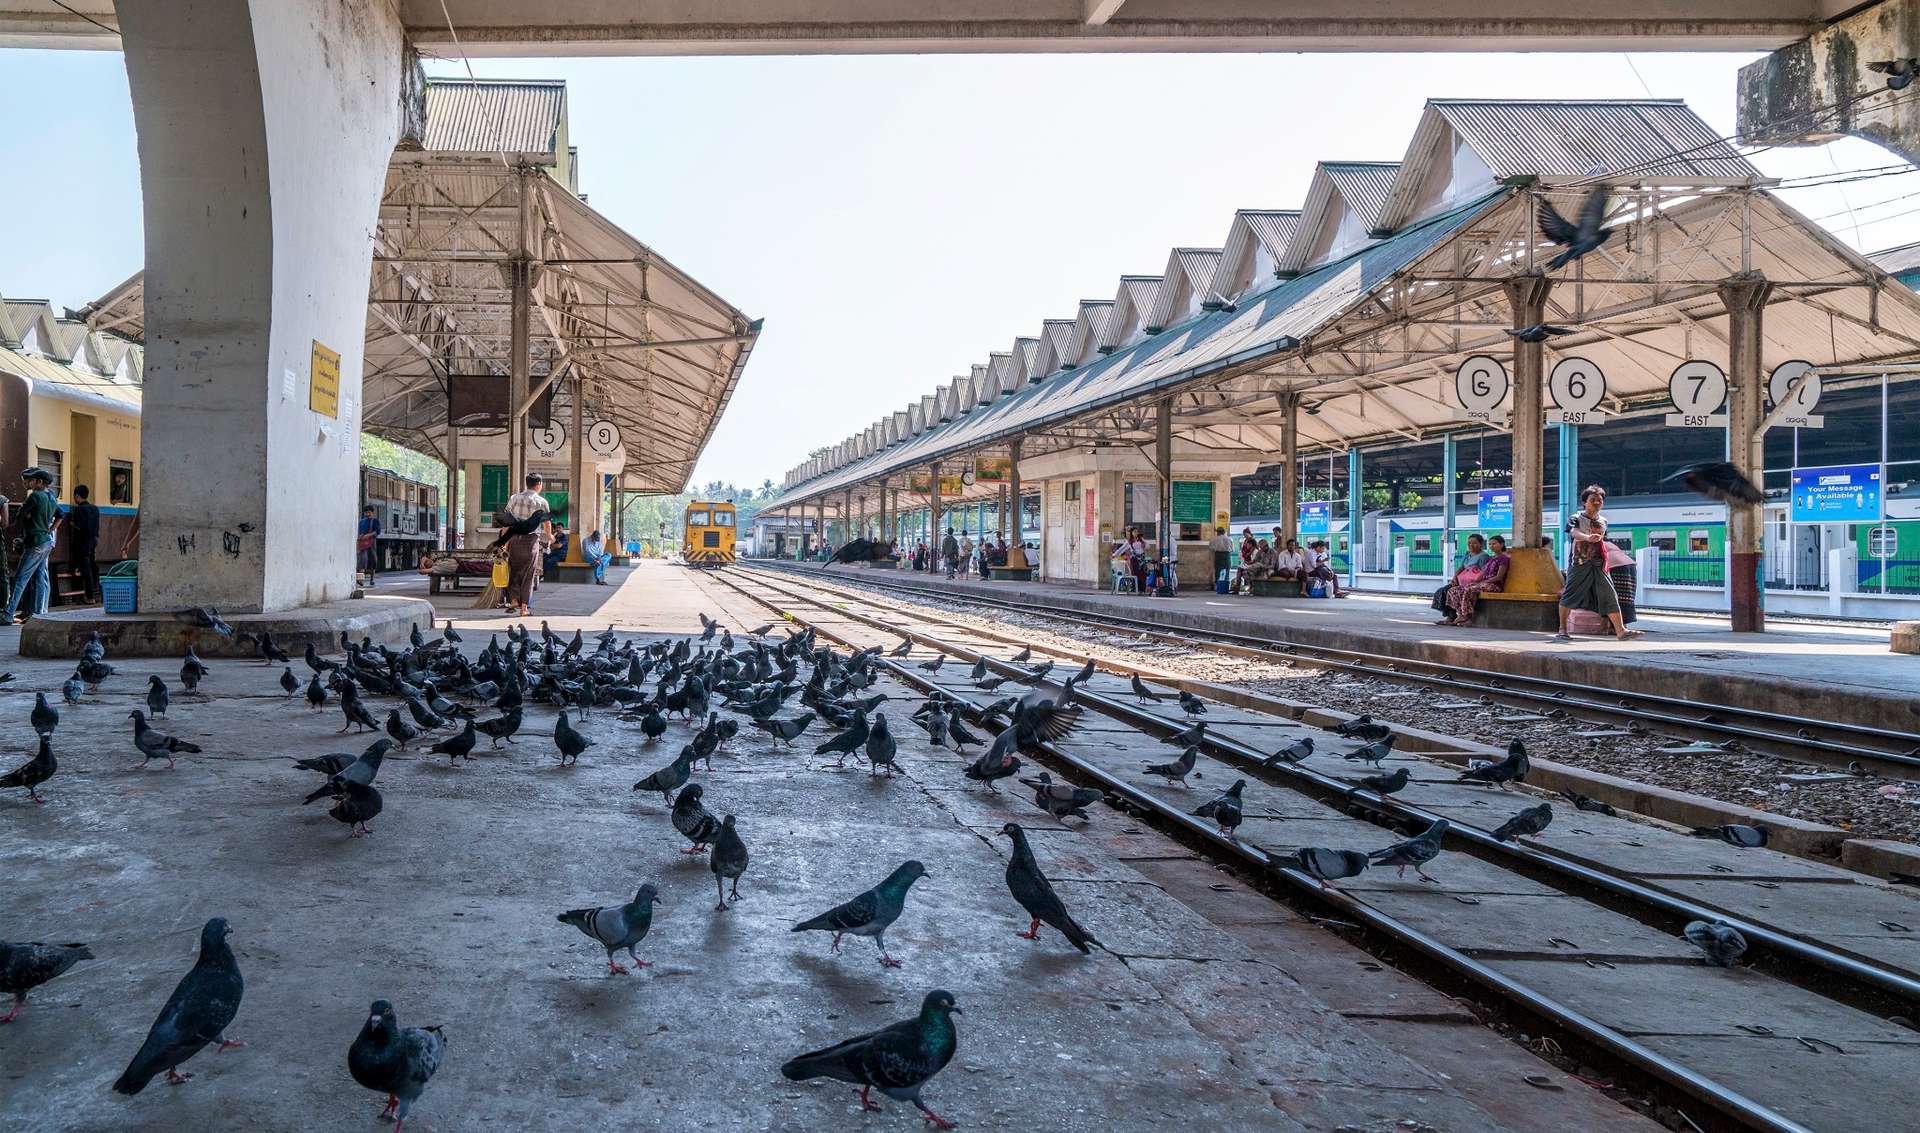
(197,1013)
(1734,834)
(1035,893)
(1512,769)
(618,927)
(691,817)
(152,743)
(896,1060)
(1324,865)
(397,1061)
(1719,480)
(871,913)
(1178,770)
(1225,808)
(28,964)
(1539,332)
(1528,822)
(728,860)
(1414,852)
(34,771)
(1577,237)
(1723,944)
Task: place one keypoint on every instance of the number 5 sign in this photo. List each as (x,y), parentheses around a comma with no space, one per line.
(1698,389)
(1578,387)
(1481,385)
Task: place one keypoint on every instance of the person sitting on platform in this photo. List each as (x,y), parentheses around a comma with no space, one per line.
(1290,561)
(1472,566)
(1490,579)
(1320,566)
(556,549)
(594,550)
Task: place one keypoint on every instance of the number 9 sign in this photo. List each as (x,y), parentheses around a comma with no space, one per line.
(1480,384)
(603,437)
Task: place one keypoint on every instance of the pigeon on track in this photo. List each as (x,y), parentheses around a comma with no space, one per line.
(1734,834)
(1723,944)
(1590,805)
(728,861)
(198,1012)
(871,913)
(1035,893)
(1374,753)
(692,818)
(1324,865)
(992,766)
(1414,852)
(895,1060)
(1512,769)
(1145,694)
(28,964)
(1528,822)
(1225,808)
(153,744)
(1062,799)
(1362,728)
(34,771)
(1292,753)
(847,742)
(618,927)
(394,1060)
(1191,704)
(1178,770)
(1386,784)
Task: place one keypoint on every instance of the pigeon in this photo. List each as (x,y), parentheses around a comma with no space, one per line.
(903,649)
(871,913)
(1723,944)
(896,1060)
(1062,799)
(197,1013)
(1324,865)
(989,684)
(1081,675)
(1178,770)
(44,717)
(355,710)
(1225,808)
(933,666)
(957,732)
(152,743)
(457,747)
(849,741)
(157,698)
(1539,332)
(1719,480)
(1292,753)
(34,771)
(1414,852)
(691,817)
(360,771)
(28,964)
(73,689)
(424,718)
(1734,834)
(1386,784)
(786,730)
(394,1060)
(570,742)
(1191,704)
(316,693)
(205,617)
(1592,806)
(1374,752)
(192,669)
(1362,728)
(881,746)
(1035,893)
(267,651)
(936,724)
(1143,692)
(1530,821)
(670,778)
(728,861)
(355,804)
(1899,72)
(399,729)
(501,727)
(1577,237)
(289,683)
(1022,657)
(329,765)
(652,724)
(1191,736)
(317,663)
(992,765)
(1512,769)
(91,673)
(618,927)
(762,631)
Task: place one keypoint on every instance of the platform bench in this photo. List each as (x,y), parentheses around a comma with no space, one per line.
(468,564)
(1499,610)
(1275,588)
(1010,574)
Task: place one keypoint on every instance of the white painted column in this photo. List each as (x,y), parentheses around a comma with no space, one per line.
(264,133)
(470,500)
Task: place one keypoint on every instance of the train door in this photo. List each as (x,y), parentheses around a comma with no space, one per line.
(83,437)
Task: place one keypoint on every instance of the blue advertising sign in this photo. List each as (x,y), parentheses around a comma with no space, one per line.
(1839,493)
(1496,509)
(1316,518)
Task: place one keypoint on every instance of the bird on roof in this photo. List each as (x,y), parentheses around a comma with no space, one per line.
(897,1060)
(1718,480)
(34,771)
(1578,236)
(198,1012)
(618,927)
(871,913)
(25,965)
(1415,852)
(1036,895)
(1723,944)
(397,1061)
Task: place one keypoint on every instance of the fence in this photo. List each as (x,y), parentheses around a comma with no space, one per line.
(1693,570)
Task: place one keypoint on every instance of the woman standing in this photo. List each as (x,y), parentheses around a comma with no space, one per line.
(1489,577)
(1588,587)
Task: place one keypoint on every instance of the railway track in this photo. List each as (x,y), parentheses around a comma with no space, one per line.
(1827,743)
(1811,984)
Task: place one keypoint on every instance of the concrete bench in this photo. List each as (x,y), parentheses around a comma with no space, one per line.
(1906,637)
(1010,574)
(1517,611)
(1275,588)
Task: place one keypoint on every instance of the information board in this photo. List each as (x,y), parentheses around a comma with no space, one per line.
(1192,501)
(323,388)
(1838,493)
(1316,518)
(992,469)
(1496,509)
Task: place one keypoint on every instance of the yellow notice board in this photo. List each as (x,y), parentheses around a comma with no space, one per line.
(323,389)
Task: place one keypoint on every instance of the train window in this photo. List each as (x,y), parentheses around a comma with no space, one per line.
(1665,540)
(699,519)
(723,519)
(1422,543)
(1699,541)
(1882,542)
(120,482)
(50,460)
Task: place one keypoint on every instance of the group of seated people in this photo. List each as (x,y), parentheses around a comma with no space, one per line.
(1483,571)
(1284,559)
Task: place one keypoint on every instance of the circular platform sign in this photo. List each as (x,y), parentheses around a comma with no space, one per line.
(1698,389)
(548,442)
(603,437)
(1578,386)
(1481,385)
(1805,399)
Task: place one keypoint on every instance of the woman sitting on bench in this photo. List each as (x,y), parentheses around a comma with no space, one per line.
(1489,575)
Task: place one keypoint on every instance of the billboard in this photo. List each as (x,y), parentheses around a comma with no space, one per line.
(1495,507)
(1837,493)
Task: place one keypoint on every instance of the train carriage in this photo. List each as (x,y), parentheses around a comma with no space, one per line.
(409,515)
(707,538)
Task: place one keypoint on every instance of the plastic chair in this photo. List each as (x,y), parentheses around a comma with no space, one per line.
(1123,582)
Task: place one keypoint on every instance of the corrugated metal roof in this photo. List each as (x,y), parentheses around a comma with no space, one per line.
(1272,227)
(1896,260)
(1622,137)
(516,116)
(47,372)
(1363,185)
(1200,264)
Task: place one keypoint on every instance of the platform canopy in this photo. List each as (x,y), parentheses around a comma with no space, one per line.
(1400,285)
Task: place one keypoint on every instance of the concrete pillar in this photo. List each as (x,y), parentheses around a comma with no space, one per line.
(820,523)
(584,499)
(1527,296)
(519,272)
(1745,296)
(1356,505)
(1809,91)
(1449,502)
(1016,546)
(1290,466)
(934,534)
(1163,464)
(264,132)
(451,498)
(470,497)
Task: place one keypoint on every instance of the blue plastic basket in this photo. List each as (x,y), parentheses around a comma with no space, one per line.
(120,590)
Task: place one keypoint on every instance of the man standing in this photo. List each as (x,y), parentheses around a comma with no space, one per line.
(523,550)
(366,542)
(38,519)
(83,542)
(950,553)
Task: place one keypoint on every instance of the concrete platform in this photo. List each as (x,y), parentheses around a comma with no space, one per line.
(1846,670)
(385,618)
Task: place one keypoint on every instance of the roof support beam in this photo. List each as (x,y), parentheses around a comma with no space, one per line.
(1100,11)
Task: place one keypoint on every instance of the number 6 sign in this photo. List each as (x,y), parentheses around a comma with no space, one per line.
(1481,385)
(1577,386)
(1698,389)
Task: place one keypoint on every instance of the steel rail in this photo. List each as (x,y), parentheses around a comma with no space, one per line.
(1729,1102)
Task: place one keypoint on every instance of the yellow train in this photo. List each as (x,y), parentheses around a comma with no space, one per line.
(707,535)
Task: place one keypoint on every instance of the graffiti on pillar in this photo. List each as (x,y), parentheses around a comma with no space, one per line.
(186,543)
(230,544)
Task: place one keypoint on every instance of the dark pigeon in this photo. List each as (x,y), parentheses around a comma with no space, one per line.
(570,742)
(1414,852)
(197,1013)
(1723,944)
(1734,834)
(1578,236)
(501,727)
(355,804)
(154,744)
(670,778)
(1528,822)
(1719,480)
(871,913)
(691,818)
(1035,893)
(34,771)
(44,717)
(28,964)
(1512,769)
(895,1060)
(1225,808)
(1178,770)
(1386,784)
(1292,753)
(458,747)
(1324,865)
(1143,692)
(728,861)
(394,1060)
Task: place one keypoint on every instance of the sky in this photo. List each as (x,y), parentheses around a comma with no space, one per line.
(895,219)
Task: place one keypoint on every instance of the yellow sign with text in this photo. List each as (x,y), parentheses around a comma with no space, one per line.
(323,386)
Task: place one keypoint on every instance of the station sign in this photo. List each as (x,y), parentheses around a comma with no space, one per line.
(323,380)
(603,437)
(1698,390)
(1495,508)
(1795,382)
(1316,518)
(1192,501)
(992,469)
(1838,493)
(1578,387)
(921,484)
(1481,385)
(550,441)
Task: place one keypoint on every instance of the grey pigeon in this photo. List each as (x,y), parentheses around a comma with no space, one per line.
(1591,805)
(28,964)
(1386,784)
(989,684)
(871,913)
(691,818)
(400,730)
(152,743)
(1414,852)
(570,742)
(618,927)
(785,730)
(316,693)
(895,1060)
(192,669)
(1292,753)
(979,669)
(197,1013)
(1362,727)
(1734,834)
(1512,769)
(1528,822)
(1580,235)
(728,860)
(355,710)
(936,725)
(1374,752)
(358,771)
(394,1060)
(1178,770)
(34,771)
(1062,799)
(458,747)
(157,698)
(881,746)
(933,666)
(1143,692)
(1191,704)
(670,778)
(1022,657)
(1723,944)
(501,727)
(1324,865)
(72,689)
(205,617)
(289,683)
(1035,893)
(44,717)
(1191,736)
(1225,808)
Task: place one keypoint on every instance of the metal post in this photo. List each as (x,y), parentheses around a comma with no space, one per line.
(1888,562)
(584,500)
(452,498)
(819,523)
(1569,472)
(1016,527)
(1163,457)
(1356,505)
(1745,297)
(1527,296)
(1449,501)
(933,507)
(1289,466)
